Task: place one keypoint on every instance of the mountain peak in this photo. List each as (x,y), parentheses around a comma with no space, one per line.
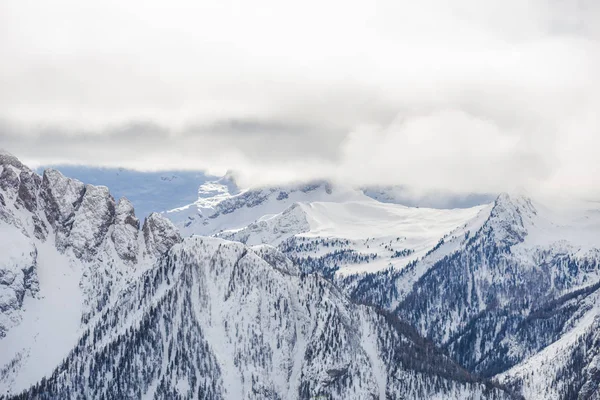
(519,201)
(230,177)
(7,158)
(510,217)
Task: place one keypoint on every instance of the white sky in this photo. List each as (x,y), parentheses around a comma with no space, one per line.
(465,95)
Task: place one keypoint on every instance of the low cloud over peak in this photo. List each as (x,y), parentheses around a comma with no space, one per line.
(468,96)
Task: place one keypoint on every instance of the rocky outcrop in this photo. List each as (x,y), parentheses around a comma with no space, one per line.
(93,238)
(18,277)
(29,186)
(507,224)
(159,234)
(92,220)
(7,159)
(9,181)
(60,197)
(125,231)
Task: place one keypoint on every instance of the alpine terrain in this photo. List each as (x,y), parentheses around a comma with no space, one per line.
(305,291)
(508,289)
(96,305)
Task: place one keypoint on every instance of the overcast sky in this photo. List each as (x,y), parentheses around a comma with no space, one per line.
(464,95)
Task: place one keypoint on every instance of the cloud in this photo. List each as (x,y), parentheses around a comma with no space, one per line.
(442,148)
(464,96)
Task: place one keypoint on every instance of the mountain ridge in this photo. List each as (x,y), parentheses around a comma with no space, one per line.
(506,291)
(139,300)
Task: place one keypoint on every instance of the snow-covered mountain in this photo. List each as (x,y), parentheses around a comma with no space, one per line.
(67,251)
(322,226)
(507,289)
(515,300)
(92,306)
(355,236)
(216,320)
(149,191)
(404,302)
(221,205)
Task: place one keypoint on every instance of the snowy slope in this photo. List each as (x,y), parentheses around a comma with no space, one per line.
(569,367)
(379,235)
(514,297)
(324,227)
(214,320)
(221,205)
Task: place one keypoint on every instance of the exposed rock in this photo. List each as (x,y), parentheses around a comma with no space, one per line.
(216,319)
(508,220)
(125,214)
(30,279)
(159,234)
(92,220)
(9,181)
(272,230)
(18,276)
(7,159)
(60,197)
(125,232)
(28,188)
(40,230)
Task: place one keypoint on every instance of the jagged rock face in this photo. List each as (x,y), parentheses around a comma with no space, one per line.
(505,225)
(9,180)
(8,159)
(159,234)
(18,277)
(60,196)
(94,216)
(18,254)
(28,189)
(125,231)
(215,321)
(125,214)
(17,179)
(92,254)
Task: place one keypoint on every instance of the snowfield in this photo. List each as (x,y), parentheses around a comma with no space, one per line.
(369,227)
(395,234)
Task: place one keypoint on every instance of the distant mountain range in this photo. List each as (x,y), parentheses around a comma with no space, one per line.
(302,291)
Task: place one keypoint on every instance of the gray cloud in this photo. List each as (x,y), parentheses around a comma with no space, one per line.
(464,96)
